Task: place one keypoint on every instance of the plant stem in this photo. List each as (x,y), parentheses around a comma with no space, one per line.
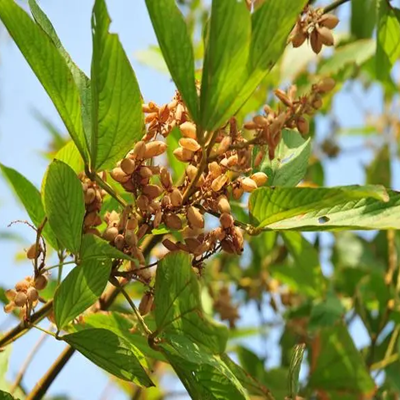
(110,190)
(334,5)
(58,265)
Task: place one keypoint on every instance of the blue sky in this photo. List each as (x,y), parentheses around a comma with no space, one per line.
(22,138)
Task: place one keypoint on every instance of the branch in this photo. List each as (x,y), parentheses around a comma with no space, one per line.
(334,5)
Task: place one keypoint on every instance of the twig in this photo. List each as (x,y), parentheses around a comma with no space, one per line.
(27,361)
(334,5)
(110,190)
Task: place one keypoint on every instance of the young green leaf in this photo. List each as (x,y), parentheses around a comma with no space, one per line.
(291,160)
(351,207)
(49,66)
(80,289)
(178,307)
(94,247)
(64,204)
(29,196)
(388,39)
(224,71)
(337,365)
(178,168)
(69,154)
(110,352)
(81,80)
(117,117)
(176,46)
(363,18)
(204,375)
(379,171)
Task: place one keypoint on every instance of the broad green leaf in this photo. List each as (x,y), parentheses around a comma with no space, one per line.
(356,53)
(49,66)
(178,168)
(363,18)
(80,289)
(4,361)
(122,326)
(178,307)
(69,154)
(326,312)
(29,196)
(224,70)
(117,117)
(388,39)
(94,247)
(351,207)
(204,375)
(379,171)
(337,365)
(294,369)
(291,160)
(81,80)
(110,352)
(271,25)
(6,396)
(306,270)
(176,46)
(64,204)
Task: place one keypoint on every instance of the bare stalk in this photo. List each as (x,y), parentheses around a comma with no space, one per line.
(334,5)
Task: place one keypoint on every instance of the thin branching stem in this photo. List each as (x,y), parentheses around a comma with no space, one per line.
(334,5)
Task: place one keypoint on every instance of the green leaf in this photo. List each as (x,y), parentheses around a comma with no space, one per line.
(64,204)
(81,80)
(351,207)
(178,307)
(363,18)
(204,375)
(117,119)
(178,168)
(49,66)
(176,46)
(356,53)
(379,171)
(388,39)
(6,396)
(224,70)
(29,196)
(110,352)
(305,273)
(4,361)
(94,247)
(70,155)
(291,160)
(152,57)
(326,312)
(80,289)
(294,369)
(337,365)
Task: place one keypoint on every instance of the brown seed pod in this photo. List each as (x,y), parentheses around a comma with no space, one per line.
(130,238)
(165,178)
(326,36)
(152,191)
(299,38)
(143,202)
(91,219)
(8,308)
(237,192)
(118,175)
(188,130)
(250,125)
(328,20)
(32,295)
(154,149)
(172,221)
(260,178)
(168,244)
(316,102)
(193,244)
(258,159)
(32,252)
(218,183)
(224,145)
(260,121)
(189,144)
(119,242)
(226,220)
(165,201)
(191,172)
(22,286)
(195,218)
(128,166)
(316,41)
(326,85)
(90,195)
(145,172)
(283,97)
(139,150)
(214,169)
(219,233)
(146,303)
(157,219)
(183,154)
(232,161)
(132,223)
(142,231)
(248,185)
(10,294)
(302,125)
(20,299)
(228,247)
(238,240)
(176,197)
(223,205)
(40,282)
(110,233)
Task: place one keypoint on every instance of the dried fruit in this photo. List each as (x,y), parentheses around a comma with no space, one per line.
(176,197)
(119,175)
(40,282)
(131,238)
(260,178)
(143,202)
(171,246)
(110,233)
(195,218)
(172,221)
(140,149)
(183,154)
(165,177)
(90,195)
(191,172)
(188,130)
(128,166)
(119,242)
(302,125)
(20,299)
(32,295)
(22,286)
(154,149)
(146,303)
(316,41)
(223,205)
(226,220)
(33,252)
(325,85)
(145,172)
(328,20)
(248,185)
(218,183)
(326,36)
(189,144)
(152,191)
